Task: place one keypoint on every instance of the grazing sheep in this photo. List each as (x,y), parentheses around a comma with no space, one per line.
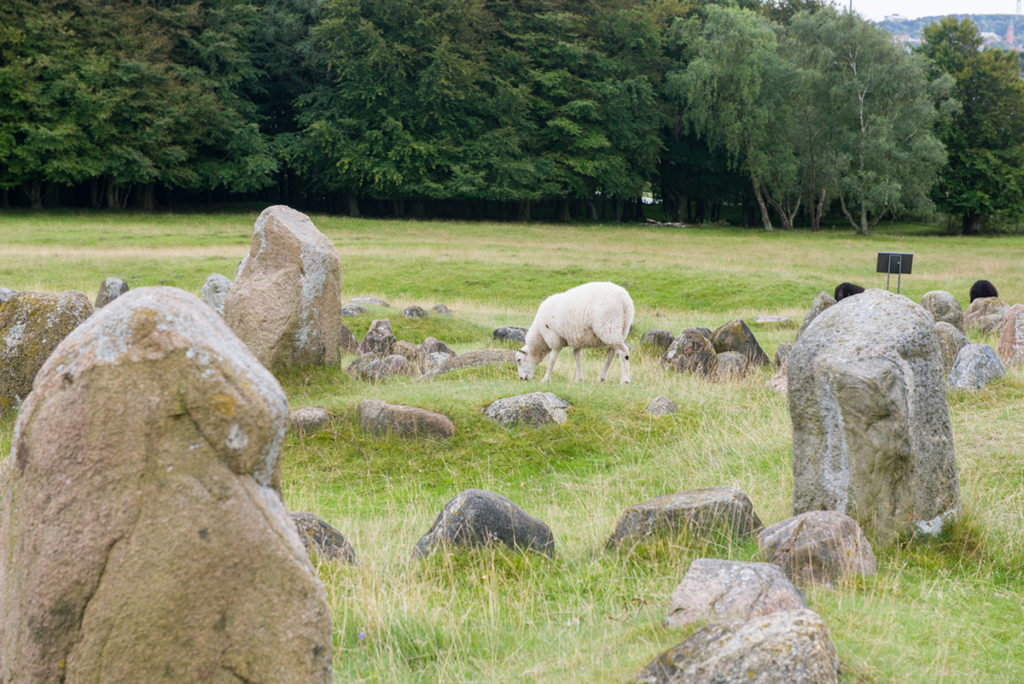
(589,315)
(844,290)
(983,288)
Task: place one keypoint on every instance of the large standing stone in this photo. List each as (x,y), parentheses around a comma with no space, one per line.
(691,352)
(699,511)
(976,365)
(789,646)
(215,291)
(986,314)
(144,539)
(823,301)
(943,306)
(110,289)
(32,324)
(817,547)
(477,517)
(735,336)
(715,589)
(379,418)
(951,341)
(285,302)
(1011,339)
(871,430)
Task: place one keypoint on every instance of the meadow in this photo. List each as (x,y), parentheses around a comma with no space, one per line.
(946,610)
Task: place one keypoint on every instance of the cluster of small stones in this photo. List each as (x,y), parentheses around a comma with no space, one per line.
(728,353)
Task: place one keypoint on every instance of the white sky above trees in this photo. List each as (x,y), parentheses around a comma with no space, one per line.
(912,9)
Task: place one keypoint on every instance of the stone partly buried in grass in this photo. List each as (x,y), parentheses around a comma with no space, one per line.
(818,547)
(322,540)
(144,534)
(699,512)
(536,409)
(477,517)
(380,418)
(31,326)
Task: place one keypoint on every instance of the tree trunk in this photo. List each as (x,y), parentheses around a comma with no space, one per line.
(592,209)
(353,204)
(417,208)
(865,229)
(816,212)
(34,191)
(523,210)
(971,224)
(766,220)
(563,210)
(6,198)
(147,197)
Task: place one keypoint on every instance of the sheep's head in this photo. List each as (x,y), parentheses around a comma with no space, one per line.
(526,364)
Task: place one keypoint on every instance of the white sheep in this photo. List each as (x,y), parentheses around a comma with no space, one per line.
(589,315)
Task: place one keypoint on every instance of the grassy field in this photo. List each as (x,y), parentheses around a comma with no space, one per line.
(943,611)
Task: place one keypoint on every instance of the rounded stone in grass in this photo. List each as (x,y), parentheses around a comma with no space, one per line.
(379,418)
(976,365)
(818,547)
(700,512)
(535,409)
(111,289)
(322,540)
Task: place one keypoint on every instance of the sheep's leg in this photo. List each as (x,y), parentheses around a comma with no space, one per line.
(623,361)
(551,364)
(607,365)
(576,352)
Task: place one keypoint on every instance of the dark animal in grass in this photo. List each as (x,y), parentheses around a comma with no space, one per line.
(844,290)
(983,288)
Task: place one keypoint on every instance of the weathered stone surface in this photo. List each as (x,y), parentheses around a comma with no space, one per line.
(6,293)
(735,336)
(285,301)
(691,352)
(411,352)
(778,383)
(309,419)
(351,310)
(823,301)
(475,359)
(371,301)
(477,517)
(510,334)
(701,330)
(788,646)
(951,341)
(134,547)
(731,366)
(432,345)
(661,406)
(379,418)
(322,540)
(1011,337)
(348,341)
(986,314)
(110,289)
(817,547)
(376,368)
(32,324)
(414,312)
(442,310)
(699,511)
(657,339)
(871,430)
(714,590)
(215,291)
(782,354)
(943,306)
(379,339)
(976,365)
(536,408)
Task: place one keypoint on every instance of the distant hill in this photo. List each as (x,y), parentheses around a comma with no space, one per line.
(987,23)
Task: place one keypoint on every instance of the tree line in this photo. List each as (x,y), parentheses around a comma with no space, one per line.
(512,109)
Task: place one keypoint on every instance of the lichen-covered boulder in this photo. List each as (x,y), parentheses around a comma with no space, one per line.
(379,339)
(349,343)
(976,365)
(789,646)
(951,341)
(411,352)
(414,312)
(735,336)
(32,324)
(351,310)
(309,419)
(699,511)
(657,339)
(285,301)
(376,368)
(321,540)
(6,293)
(110,289)
(215,291)
(477,517)
(691,352)
(144,534)
(379,418)
(871,430)
(823,301)
(510,333)
(818,547)
(782,354)
(943,306)
(1011,337)
(731,366)
(986,314)
(534,409)
(661,406)
(715,589)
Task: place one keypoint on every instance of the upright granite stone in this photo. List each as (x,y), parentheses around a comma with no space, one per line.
(986,314)
(943,306)
(144,535)
(823,301)
(871,430)
(691,352)
(951,341)
(976,365)
(215,291)
(32,324)
(285,302)
(1011,338)
(477,517)
(110,289)
(735,336)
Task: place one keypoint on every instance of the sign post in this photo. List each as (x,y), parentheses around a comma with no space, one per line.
(894,262)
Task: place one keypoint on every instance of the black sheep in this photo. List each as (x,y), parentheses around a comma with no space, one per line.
(983,288)
(844,290)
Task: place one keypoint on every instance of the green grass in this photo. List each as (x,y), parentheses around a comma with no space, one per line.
(946,611)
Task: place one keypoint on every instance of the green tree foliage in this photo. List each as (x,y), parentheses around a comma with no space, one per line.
(983,179)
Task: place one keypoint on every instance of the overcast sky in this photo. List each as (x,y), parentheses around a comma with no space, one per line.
(911,9)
